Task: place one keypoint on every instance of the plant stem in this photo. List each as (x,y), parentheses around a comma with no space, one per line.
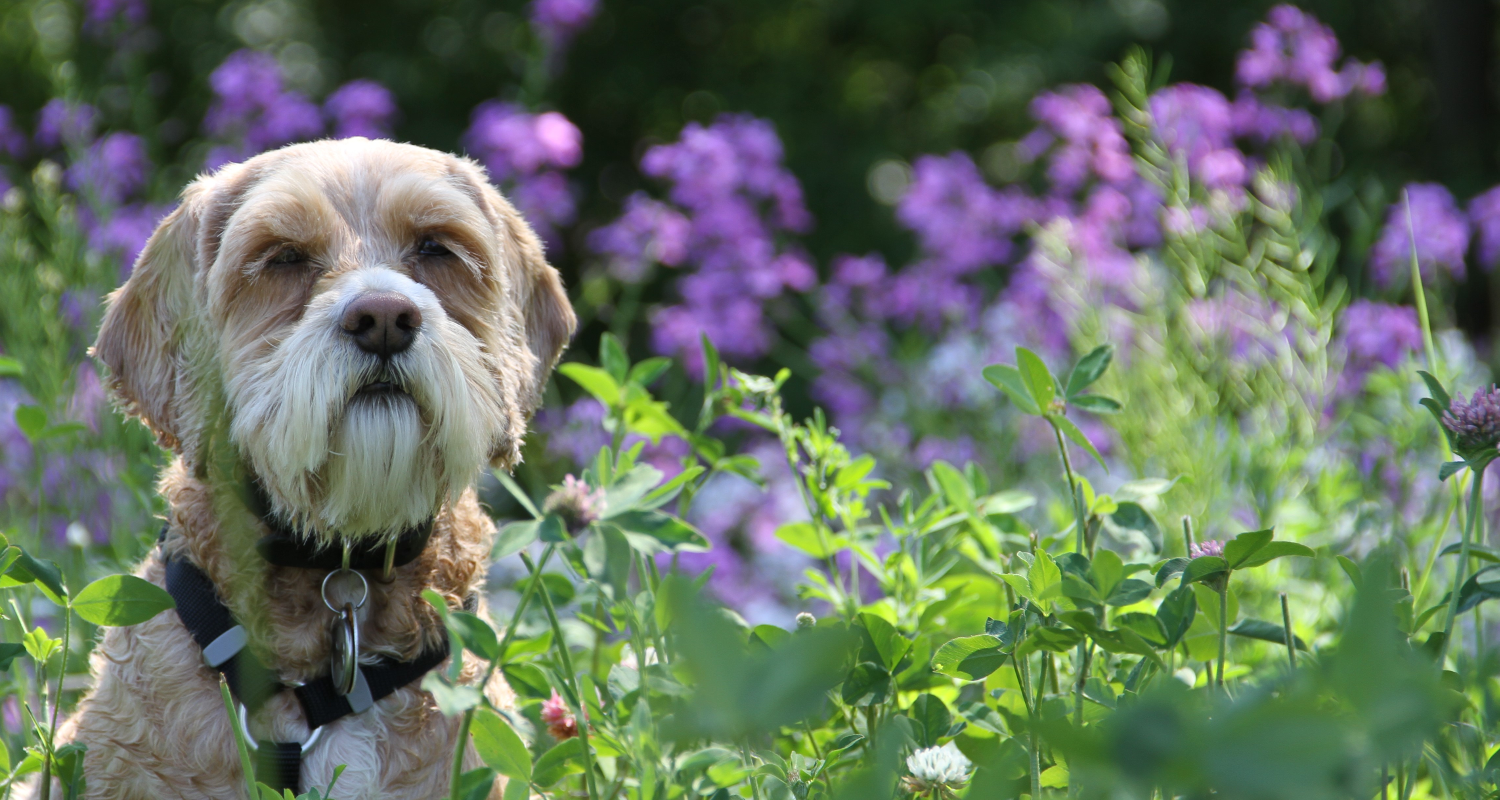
(460,745)
(247,767)
(1463,562)
(1223,626)
(1420,295)
(515,617)
(1073,497)
(567,663)
(510,634)
(1291,639)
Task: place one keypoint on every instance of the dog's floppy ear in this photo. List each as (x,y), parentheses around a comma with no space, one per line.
(550,320)
(549,317)
(139,338)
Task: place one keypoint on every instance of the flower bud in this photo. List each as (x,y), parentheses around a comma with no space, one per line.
(806,620)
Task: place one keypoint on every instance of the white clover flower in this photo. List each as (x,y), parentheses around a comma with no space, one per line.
(941,768)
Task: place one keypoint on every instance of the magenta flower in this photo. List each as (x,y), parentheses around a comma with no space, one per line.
(558,718)
(576,503)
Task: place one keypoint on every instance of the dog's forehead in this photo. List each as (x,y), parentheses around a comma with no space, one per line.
(368,185)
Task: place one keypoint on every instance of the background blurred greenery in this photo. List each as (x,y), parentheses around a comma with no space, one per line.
(848,84)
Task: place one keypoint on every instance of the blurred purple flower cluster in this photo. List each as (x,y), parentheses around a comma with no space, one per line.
(253,110)
(64,122)
(526,153)
(731,204)
(1441,237)
(361,108)
(1373,335)
(1293,48)
(558,21)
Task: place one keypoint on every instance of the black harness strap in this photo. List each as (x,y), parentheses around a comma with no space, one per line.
(279,764)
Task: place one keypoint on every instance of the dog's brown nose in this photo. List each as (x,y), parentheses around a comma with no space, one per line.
(383,323)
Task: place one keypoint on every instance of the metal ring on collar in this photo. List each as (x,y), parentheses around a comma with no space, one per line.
(362,582)
(254,744)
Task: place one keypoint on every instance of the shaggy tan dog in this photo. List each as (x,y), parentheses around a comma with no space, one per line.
(359,326)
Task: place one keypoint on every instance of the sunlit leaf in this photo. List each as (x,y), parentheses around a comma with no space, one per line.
(594,380)
(121,600)
(1239,549)
(1039,382)
(1008,379)
(499,746)
(889,642)
(1089,369)
(971,658)
(1071,431)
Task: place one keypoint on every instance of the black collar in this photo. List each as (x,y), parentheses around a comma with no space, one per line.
(252,683)
(285,547)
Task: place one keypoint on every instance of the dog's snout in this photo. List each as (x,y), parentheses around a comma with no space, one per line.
(382,323)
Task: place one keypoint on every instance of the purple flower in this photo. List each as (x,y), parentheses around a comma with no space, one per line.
(649,232)
(525,150)
(728,183)
(1196,123)
(88,399)
(1484,212)
(1243,327)
(509,141)
(12,138)
(1092,140)
(125,231)
(114,168)
(1293,47)
(64,122)
(1474,423)
(1442,236)
(558,21)
(253,110)
(1266,123)
(1207,547)
(960,450)
(958,219)
(361,108)
(546,201)
(574,434)
(100,13)
(1373,335)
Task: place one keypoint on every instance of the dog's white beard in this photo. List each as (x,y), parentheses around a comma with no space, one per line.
(335,464)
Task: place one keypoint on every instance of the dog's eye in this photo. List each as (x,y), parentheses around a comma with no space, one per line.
(287,256)
(431,247)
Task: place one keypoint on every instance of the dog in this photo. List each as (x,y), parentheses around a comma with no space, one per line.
(332,339)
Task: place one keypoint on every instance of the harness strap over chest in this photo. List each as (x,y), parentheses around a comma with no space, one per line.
(224,643)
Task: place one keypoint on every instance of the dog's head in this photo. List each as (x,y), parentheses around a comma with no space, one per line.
(370,322)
